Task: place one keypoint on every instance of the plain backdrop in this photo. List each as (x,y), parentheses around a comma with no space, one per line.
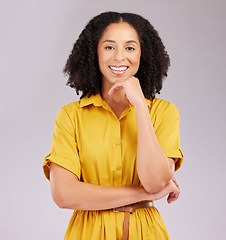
(36,38)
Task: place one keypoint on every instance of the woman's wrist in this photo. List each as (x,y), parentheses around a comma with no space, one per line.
(145,195)
(141,104)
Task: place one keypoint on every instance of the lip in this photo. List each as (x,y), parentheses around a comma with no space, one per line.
(118,70)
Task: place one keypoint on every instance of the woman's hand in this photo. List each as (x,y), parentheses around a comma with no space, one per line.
(173,196)
(172,188)
(132,90)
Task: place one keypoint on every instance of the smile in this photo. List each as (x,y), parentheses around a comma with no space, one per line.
(118,70)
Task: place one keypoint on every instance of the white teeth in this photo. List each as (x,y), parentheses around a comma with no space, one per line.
(118,68)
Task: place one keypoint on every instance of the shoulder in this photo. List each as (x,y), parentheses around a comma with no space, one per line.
(160,105)
(163,106)
(161,110)
(71,107)
(68,112)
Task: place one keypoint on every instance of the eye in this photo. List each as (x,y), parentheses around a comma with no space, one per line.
(130,48)
(109,48)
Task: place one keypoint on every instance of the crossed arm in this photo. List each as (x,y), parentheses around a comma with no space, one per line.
(154,169)
(68,192)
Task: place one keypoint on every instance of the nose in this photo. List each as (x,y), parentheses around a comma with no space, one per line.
(119,54)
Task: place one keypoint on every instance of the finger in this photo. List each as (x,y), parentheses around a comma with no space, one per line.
(117,86)
(169,199)
(172,198)
(114,90)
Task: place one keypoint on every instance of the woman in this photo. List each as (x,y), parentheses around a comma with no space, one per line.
(115,151)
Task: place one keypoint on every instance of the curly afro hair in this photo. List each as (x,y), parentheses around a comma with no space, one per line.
(82,65)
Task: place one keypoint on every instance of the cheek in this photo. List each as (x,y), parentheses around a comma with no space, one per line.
(136,60)
(103,58)
(135,57)
(102,63)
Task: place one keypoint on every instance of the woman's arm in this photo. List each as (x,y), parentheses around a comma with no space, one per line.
(68,192)
(154,168)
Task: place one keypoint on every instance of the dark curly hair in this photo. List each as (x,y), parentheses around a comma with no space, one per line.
(82,65)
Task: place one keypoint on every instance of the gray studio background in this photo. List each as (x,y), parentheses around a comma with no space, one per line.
(36,38)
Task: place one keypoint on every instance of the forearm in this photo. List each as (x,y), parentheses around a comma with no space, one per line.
(68,192)
(95,197)
(153,165)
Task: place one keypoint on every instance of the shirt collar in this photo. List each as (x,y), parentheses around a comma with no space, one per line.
(97,100)
(149,101)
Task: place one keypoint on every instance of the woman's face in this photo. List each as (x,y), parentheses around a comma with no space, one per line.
(118,52)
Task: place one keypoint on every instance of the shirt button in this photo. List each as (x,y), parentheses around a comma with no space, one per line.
(118,143)
(119,168)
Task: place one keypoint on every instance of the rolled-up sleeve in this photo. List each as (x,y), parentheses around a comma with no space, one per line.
(168,134)
(64,148)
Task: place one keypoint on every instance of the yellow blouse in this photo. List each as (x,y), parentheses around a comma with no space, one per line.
(91,142)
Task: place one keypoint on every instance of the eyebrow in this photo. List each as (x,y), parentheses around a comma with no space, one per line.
(112,41)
